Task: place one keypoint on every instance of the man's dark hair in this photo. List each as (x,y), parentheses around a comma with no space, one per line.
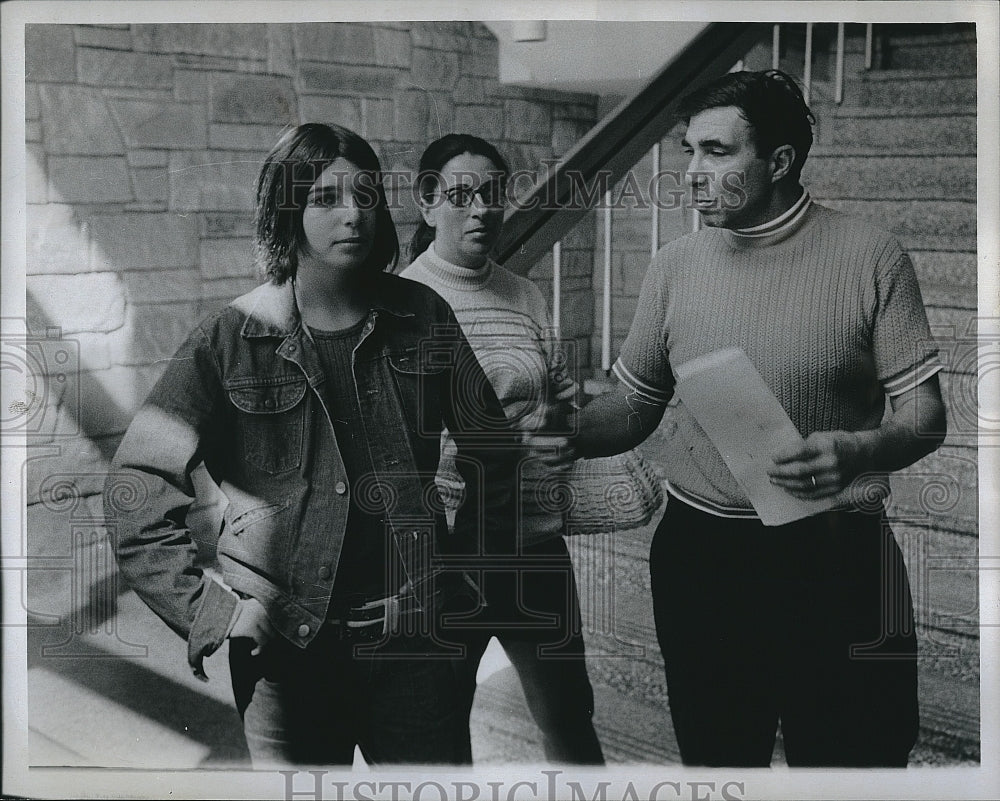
(435,157)
(290,169)
(770,101)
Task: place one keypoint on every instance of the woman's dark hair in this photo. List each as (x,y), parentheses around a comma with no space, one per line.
(290,169)
(770,101)
(435,157)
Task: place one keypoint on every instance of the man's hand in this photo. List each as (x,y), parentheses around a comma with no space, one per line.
(251,621)
(828,461)
(823,465)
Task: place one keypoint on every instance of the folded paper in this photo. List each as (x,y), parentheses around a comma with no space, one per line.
(748,425)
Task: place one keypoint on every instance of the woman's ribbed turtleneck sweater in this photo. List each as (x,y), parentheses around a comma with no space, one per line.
(506,320)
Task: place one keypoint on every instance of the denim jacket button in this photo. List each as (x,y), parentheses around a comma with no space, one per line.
(303,630)
(324,572)
(340,487)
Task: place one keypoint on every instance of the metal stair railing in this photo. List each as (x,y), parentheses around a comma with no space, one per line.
(614,145)
(579,180)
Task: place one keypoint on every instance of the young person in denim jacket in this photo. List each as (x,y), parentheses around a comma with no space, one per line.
(316,402)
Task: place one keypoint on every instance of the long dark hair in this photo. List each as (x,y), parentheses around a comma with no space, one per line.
(290,169)
(435,157)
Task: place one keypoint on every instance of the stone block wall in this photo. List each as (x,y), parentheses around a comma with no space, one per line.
(143,145)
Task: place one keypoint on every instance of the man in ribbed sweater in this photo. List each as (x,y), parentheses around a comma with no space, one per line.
(809,624)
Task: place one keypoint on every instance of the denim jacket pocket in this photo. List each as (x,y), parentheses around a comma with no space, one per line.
(271,421)
(240,521)
(260,537)
(415,375)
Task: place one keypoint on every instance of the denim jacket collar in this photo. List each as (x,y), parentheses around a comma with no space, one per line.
(272,312)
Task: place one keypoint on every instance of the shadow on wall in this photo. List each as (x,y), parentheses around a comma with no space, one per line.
(143,146)
(96,337)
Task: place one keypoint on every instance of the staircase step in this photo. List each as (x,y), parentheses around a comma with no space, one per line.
(951,129)
(954,327)
(947,51)
(899,87)
(894,110)
(845,150)
(888,177)
(949,296)
(945,225)
(940,493)
(953,269)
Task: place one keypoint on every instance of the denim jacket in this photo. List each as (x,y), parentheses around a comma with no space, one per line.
(241,396)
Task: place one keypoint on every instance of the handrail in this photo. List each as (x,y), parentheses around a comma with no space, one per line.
(612,147)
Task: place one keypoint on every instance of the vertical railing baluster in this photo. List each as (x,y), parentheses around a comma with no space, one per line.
(869,36)
(776,46)
(807,67)
(556,286)
(606,297)
(654,202)
(838,92)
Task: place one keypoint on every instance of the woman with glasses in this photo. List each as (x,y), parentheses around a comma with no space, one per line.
(316,402)
(462,189)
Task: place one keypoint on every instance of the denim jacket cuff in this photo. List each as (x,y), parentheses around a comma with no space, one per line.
(211,625)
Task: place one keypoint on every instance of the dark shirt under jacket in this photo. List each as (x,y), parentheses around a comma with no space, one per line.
(368,568)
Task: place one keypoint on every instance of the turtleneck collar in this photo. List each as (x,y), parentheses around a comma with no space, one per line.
(773,231)
(451,275)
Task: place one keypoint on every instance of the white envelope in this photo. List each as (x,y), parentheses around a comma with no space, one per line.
(747,424)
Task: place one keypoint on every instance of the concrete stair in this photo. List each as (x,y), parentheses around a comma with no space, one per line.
(901,87)
(928,47)
(841,173)
(951,127)
(937,225)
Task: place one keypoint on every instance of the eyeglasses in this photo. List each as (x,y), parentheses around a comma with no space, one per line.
(492,194)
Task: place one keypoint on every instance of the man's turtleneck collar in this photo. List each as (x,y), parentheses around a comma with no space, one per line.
(773,231)
(453,276)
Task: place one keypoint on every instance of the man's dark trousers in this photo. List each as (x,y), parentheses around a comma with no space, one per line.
(810,623)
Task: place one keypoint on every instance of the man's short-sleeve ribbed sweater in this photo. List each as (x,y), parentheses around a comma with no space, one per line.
(826,306)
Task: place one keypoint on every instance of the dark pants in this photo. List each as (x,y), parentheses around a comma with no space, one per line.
(534,612)
(809,623)
(312,706)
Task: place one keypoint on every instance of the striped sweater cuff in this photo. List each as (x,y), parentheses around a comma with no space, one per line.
(913,377)
(644,390)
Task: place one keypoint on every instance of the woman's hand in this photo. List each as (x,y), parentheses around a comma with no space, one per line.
(552,450)
(251,621)
(822,465)
(566,393)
